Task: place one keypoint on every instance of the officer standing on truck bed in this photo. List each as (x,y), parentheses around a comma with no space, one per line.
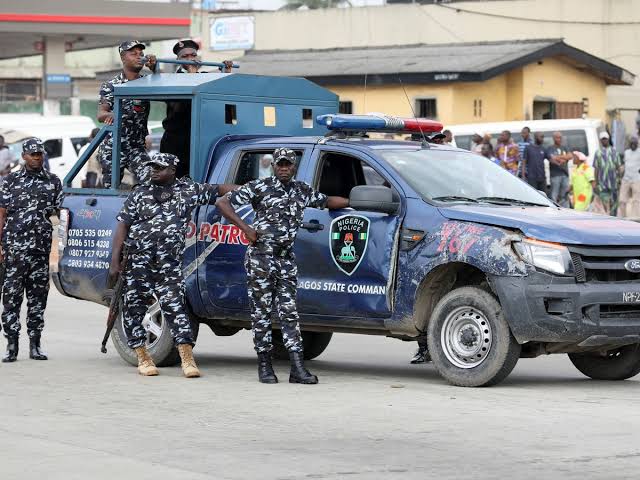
(176,138)
(279,203)
(153,222)
(27,198)
(135,114)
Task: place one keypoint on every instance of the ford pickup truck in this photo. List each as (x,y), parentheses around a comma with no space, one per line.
(438,243)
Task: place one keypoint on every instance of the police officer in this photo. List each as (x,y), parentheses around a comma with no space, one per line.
(278,202)
(422,354)
(153,222)
(27,199)
(176,138)
(135,114)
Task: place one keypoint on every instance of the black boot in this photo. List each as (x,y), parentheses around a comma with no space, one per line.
(265,369)
(35,352)
(12,350)
(299,374)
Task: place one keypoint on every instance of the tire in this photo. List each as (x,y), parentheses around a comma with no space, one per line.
(314,343)
(159,340)
(469,340)
(617,364)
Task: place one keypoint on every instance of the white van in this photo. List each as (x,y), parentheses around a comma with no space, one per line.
(63,137)
(578,134)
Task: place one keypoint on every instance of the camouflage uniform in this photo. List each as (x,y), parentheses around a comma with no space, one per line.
(29,199)
(158,216)
(270,262)
(134,114)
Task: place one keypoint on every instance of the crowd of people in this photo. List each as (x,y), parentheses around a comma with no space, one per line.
(611,185)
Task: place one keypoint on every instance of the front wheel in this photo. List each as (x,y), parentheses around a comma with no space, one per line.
(159,341)
(618,364)
(469,340)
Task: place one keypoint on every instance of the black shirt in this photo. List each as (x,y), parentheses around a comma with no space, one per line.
(555,170)
(535,155)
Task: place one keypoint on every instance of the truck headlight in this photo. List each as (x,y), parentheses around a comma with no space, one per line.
(551,257)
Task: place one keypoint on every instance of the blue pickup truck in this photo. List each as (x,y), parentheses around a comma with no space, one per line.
(439,244)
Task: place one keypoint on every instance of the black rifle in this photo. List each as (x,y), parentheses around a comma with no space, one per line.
(116,299)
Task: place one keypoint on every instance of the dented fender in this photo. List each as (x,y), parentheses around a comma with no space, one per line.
(485,247)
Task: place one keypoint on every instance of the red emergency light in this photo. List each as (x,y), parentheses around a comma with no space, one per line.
(378,123)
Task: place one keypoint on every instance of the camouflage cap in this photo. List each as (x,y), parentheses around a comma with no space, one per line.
(284,154)
(164,160)
(129,44)
(32,145)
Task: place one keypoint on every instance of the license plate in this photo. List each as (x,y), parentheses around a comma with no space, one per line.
(631,297)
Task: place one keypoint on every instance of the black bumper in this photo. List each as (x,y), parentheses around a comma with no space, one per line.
(547,308)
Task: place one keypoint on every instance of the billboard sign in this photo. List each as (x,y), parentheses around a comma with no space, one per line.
(232,33)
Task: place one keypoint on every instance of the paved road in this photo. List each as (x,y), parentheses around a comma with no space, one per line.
(83,415)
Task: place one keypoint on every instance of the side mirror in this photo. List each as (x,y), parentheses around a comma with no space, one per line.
(543,193)
(373,198)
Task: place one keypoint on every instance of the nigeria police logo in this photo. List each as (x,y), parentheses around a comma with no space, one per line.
(349,239)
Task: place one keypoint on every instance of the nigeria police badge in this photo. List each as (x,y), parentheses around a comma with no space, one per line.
(349,239)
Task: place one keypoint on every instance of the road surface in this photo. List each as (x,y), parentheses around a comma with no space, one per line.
(84,415)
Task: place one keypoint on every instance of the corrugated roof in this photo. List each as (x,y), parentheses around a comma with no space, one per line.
(425,63)
(462,57)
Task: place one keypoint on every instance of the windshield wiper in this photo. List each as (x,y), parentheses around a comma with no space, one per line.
(454,198)
(510,201)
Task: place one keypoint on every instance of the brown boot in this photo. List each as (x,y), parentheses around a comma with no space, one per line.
(189,367)
(146,366)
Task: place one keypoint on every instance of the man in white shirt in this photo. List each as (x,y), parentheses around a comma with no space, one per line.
(630,186)
(265,170)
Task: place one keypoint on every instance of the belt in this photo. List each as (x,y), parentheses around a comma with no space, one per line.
(281,251)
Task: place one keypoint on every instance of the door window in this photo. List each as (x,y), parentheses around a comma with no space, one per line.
(571,139)
(53,147)
(78,143)
(339,173)
(256,164)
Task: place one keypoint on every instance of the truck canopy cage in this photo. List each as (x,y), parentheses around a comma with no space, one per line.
(224,104)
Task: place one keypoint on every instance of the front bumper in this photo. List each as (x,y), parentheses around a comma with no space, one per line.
(546,308)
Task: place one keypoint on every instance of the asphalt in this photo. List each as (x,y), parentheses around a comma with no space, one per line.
(84,415)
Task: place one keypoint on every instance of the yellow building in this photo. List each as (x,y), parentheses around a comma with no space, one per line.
(456,83)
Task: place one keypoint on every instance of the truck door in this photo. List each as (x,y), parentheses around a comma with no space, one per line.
(221,245)
(87,225)
(346,258)
(90,222)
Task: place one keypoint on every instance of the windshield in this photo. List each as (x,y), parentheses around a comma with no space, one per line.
(448,176)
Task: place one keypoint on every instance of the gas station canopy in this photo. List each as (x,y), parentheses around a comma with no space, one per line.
(86,24)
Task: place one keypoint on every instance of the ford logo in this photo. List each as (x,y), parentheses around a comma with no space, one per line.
(632,266)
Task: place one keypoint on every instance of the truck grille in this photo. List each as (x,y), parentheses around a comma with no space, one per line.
(597,264)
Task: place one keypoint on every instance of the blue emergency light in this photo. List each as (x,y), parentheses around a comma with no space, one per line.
(378,123)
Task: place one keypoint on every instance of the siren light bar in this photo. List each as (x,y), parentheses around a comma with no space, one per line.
(378,123)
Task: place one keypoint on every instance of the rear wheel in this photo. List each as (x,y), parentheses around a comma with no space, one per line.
(618,364)
(469,340)
(314,343)
(159,341)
